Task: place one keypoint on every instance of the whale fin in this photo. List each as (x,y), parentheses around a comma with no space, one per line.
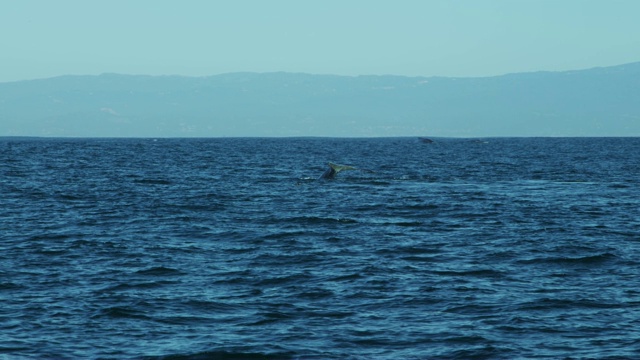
(334,169)
(337,168)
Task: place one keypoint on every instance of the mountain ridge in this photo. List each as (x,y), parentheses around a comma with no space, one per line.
(601,101)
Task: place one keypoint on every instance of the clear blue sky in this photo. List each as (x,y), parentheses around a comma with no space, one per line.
(45,38)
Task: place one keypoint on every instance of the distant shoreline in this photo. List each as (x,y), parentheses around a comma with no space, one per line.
(435,138)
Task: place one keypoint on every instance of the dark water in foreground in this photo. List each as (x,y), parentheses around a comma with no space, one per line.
(231,249)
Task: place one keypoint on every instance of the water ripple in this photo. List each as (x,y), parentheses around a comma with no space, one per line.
(141,249)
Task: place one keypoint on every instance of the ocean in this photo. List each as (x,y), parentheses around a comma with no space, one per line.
(232,248)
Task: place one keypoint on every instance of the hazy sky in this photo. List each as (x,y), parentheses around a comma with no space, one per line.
(45,38)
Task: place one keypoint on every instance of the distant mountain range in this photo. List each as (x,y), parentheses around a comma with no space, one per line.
(594,102)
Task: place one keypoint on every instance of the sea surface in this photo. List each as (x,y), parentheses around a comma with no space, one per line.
(232,248)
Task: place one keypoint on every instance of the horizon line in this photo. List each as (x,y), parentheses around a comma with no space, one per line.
(109,73)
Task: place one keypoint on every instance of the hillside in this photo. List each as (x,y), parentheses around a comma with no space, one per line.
(593,102)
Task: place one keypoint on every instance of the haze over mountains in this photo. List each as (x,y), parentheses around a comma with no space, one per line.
(594,102)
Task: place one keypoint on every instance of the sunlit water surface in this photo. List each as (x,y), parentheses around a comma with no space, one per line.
(232,248)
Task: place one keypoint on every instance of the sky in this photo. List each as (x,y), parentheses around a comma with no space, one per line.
(457,38)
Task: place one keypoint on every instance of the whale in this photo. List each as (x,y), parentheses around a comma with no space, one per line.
(334,169)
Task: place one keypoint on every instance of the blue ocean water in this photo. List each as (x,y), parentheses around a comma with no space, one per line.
(232,248)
